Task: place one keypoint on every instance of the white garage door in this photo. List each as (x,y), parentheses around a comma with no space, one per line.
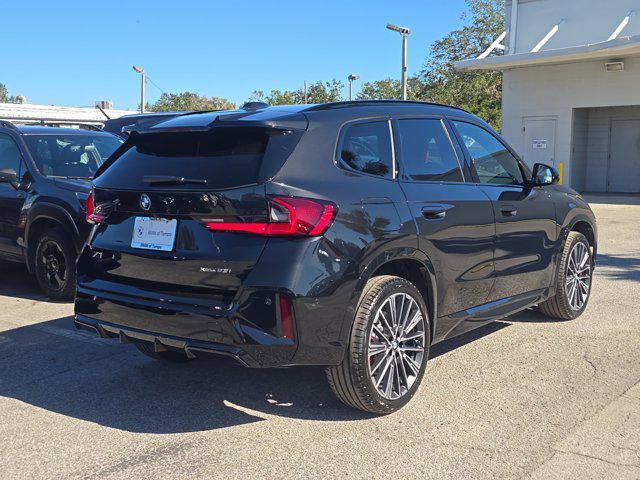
(623,171)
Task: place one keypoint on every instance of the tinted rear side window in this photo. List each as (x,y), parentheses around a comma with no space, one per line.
(224,157)
(366,147)
(426,152)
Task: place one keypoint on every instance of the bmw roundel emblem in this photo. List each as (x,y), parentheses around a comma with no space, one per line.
(145,202)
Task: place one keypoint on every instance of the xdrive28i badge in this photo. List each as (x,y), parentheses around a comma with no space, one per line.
(145,202)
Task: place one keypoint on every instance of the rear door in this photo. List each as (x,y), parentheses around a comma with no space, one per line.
(160,198)
(11,199)
(454,218)
(526,230)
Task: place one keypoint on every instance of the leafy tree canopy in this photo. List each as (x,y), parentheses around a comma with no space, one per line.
(478,92)
(390,89)
(4,93)
(5,98)
(319,92)
(169,102)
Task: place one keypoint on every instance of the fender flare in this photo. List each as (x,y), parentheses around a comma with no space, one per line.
(571,220)
(50,211)
(374,263)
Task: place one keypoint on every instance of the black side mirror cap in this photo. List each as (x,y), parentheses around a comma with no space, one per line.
(544,175)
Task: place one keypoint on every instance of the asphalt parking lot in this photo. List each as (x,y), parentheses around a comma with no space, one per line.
(525,397)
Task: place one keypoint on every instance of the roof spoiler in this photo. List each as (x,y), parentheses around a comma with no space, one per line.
(203,122)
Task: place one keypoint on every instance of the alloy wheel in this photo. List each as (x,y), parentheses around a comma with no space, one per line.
(578,280)
(54,265)
(396,347)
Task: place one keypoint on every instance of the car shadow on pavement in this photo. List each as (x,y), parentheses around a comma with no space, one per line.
(16,282)
(619,267)
(54,367)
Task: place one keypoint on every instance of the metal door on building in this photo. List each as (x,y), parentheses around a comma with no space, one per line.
(539,140)
(623,168)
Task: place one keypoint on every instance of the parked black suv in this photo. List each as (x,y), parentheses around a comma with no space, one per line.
(44,183)
(352,235)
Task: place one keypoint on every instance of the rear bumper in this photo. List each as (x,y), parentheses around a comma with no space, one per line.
(191,347)
(247,329)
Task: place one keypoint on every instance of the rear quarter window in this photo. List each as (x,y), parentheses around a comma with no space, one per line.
(366,147)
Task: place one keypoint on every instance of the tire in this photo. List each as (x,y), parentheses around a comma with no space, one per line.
(354,380)
(55,264)
(169,356)
(571,299)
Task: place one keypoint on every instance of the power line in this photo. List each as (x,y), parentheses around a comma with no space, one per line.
(154,84)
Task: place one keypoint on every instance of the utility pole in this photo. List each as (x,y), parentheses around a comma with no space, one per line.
(305,91)
(142,85)
(352,78)
(404,32)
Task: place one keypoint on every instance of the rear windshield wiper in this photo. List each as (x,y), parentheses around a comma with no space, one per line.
(171,180)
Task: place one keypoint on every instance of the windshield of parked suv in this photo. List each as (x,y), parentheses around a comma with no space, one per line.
(224,157)
(71,156)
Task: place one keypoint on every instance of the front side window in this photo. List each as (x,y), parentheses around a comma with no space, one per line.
(492,161)
(366,147)
(10,157)
(71,156)
(426,151)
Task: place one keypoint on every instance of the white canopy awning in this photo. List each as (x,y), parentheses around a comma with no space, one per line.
(611,49)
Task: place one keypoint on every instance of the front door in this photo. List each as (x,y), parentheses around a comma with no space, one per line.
(454,218)
(623,174)
(526,231)
(11,199)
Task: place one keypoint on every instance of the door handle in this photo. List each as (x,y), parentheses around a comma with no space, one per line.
(509,210)
(435,211)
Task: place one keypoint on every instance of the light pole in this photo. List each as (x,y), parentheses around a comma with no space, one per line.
(404,32)
(142,85)
(352,78)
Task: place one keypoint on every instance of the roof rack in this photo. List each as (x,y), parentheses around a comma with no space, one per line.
(7,124)
(364,103)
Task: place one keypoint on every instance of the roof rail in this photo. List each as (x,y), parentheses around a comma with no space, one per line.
(365,103)
(7,124)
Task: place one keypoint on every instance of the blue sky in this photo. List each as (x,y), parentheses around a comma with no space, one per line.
(74,52)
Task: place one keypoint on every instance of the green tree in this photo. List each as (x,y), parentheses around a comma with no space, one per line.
(169,102)
(319,92)
(391,89)
(4,93)
(478,92)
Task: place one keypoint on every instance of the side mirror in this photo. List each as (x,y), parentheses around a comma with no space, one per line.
(9,175)
(544,175)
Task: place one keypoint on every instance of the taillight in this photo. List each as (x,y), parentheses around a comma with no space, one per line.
(288,216)
(93,216)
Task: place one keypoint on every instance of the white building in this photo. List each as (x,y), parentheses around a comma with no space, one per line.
(571,93)
(29,113)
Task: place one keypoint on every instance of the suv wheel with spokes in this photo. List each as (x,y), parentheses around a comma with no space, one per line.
(573,283)
(388,350)
(55,265)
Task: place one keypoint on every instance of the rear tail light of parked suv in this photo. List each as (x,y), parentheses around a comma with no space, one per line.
(93,214)
(288,216)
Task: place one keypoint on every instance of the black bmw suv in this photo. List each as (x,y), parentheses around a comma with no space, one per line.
(352,235)
(45,179)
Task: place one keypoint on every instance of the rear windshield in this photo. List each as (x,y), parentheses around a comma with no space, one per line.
(71,156)
(224,157)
